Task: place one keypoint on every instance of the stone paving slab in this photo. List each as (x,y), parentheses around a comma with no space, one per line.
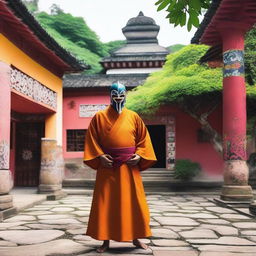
(198,233)
(20,218)
(168,242)
(221,229)
(228,240)
(224,248)
(184,225)
(175,253)
(106,253)
(176,221)
(163,233)
(30,236)
(173,248)
(226,254)
(58,247)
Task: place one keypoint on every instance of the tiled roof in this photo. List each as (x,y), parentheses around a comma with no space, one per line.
(207,19)
(103,80)
(146,57)
(25,23)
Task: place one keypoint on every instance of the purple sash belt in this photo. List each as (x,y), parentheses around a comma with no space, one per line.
(120,155)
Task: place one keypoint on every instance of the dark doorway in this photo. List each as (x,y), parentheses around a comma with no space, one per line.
(28,153)
(157,135)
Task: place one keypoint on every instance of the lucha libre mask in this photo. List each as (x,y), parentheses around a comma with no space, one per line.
(117,95)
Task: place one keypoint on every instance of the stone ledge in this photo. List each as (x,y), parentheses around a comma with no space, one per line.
(235,205)
(56,196)
(8,213)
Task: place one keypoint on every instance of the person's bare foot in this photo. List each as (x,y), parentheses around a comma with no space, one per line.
(104,247)
(139,244)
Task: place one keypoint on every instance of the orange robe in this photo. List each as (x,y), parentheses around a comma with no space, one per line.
(119,209)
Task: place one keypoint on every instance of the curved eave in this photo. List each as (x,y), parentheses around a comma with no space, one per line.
(26,33)
(224,13)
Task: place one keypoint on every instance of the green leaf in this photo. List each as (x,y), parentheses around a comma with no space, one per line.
(196,4)
(183,19)
(158,2)
(193,16)
(163,5)
(189,25)
(171,5)
(168,16)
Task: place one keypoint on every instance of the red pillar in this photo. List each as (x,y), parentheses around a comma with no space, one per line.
(6,181)
(234,117)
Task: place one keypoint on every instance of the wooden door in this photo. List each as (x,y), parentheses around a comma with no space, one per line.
(28,153)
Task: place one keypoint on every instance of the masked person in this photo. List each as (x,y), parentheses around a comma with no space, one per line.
(118,146)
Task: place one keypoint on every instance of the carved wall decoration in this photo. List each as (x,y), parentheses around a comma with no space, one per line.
(233,63)
(33,89)
(169,122)
(89,110)
(27,154)
(234,147)
(4,155)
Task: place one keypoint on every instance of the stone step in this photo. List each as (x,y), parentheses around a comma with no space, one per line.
(159,181)
(77,187)
(89,191)
(76,191)
(157,175)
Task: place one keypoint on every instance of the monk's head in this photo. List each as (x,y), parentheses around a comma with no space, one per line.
(118,96)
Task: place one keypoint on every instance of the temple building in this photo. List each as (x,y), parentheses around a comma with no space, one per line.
(84,95)
(142,54)
(32,65)
(224,28)
(174,133)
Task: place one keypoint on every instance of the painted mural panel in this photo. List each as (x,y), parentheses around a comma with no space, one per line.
(89,110)
(233,63)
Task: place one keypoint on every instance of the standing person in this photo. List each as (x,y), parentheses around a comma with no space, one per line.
(118,146)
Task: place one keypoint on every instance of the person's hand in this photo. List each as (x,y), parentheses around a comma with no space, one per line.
(133,160)
(106,160)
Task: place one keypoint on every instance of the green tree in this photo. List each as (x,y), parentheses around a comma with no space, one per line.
(196,89)
(32,5)
(250,56)
(73,34)
(182,12)
(175,47)
(55,10)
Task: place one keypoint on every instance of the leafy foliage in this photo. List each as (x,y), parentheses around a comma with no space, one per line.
(182,12)
(250,56)
(182,80)
(73,34)
(32,5)
(185,169)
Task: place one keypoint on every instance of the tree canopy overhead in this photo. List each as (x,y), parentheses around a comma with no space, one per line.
(73,34)
(182,12)
(180,81)
(196,89)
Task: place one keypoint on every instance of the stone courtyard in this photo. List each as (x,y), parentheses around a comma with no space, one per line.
(183,224)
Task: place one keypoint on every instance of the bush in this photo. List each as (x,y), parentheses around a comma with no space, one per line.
(186,169)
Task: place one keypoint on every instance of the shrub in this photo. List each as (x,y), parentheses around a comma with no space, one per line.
(186,169)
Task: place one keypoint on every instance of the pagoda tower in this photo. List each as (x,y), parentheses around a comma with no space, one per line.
(141,54)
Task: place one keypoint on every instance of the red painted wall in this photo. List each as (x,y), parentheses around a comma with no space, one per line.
(187,145)
(71,119)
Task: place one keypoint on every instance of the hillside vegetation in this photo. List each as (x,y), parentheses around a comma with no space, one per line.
(175,47)
(73,34)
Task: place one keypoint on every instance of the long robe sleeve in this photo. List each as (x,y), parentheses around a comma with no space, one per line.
(92,149)
(144,146)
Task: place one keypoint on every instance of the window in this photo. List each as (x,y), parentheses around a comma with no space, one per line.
(75,140)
